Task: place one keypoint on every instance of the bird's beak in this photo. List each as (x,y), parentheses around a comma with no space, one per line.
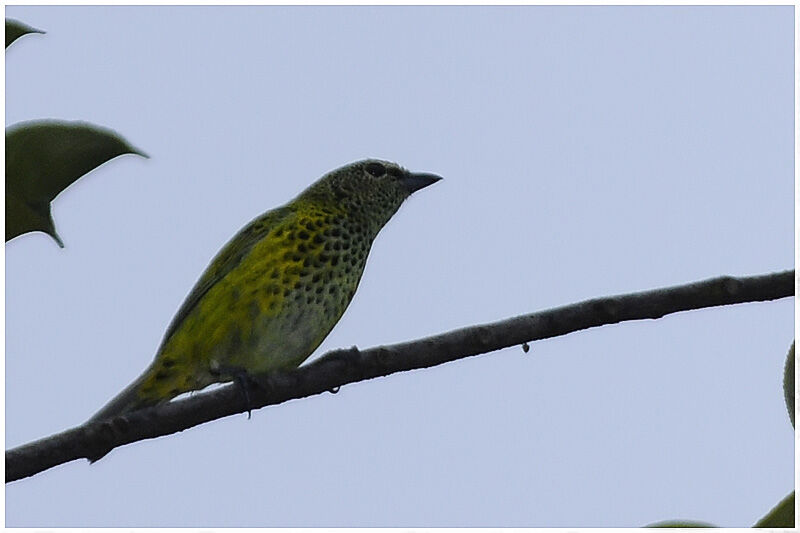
(414,181)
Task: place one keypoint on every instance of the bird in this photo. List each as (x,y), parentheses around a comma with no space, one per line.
(272,294)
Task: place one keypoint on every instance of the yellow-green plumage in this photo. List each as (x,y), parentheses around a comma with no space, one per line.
(276,290)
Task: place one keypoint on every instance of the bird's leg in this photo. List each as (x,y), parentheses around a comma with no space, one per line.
(241,378)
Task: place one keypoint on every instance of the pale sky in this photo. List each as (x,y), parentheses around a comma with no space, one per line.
(587,151)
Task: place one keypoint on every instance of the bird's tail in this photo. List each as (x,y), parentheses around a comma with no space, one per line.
(130,399)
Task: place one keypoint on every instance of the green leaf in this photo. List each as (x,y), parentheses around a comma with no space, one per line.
(681,523)
(16,29)
(788,382)
(782,515)
(42,159)
(20,218)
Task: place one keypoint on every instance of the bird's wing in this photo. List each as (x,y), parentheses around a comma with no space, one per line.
(225,261)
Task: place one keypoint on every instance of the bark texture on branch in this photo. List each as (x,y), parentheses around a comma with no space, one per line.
(340,367)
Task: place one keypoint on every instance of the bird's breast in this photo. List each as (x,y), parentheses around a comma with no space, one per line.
(291,291)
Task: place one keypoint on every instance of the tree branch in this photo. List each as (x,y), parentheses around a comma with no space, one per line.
(341,367)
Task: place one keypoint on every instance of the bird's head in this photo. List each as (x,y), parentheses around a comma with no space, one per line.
(371,189)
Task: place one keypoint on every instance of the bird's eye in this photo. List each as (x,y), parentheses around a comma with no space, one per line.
(394,172)
(376,169)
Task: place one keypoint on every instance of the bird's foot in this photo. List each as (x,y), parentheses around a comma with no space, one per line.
(243,381)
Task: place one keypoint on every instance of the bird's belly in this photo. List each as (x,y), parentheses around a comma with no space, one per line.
(283,342)
(284,337)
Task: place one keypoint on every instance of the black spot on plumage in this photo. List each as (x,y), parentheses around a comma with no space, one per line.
(236,341)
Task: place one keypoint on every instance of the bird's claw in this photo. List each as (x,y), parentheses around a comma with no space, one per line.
(243,381)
